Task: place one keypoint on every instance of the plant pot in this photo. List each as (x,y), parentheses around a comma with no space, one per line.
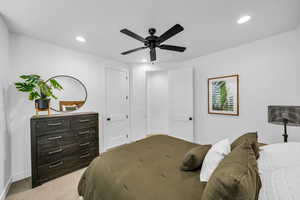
(42,104)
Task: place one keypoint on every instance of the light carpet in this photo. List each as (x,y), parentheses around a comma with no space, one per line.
(63,188)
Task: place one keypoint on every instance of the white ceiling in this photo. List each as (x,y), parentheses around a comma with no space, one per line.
(210,25)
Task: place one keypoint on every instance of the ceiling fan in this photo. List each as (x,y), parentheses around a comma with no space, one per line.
(152,42)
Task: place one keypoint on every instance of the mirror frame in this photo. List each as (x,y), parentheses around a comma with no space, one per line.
(80,82)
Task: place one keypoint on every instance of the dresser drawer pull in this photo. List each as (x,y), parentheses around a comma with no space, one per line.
(55,124)
(56,151)
(55,138)
(84,156)
(83,132)
(57,164)
(85,144)
(84,120)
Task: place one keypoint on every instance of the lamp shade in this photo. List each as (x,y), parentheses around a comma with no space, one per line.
(280,114)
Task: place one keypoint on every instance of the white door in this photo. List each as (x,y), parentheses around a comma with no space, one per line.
(116,121)
(157,102)
(181,104)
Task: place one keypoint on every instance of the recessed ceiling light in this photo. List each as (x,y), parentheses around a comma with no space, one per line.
(244,19)
(80,39)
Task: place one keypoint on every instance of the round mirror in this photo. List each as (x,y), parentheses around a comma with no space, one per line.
(72,97)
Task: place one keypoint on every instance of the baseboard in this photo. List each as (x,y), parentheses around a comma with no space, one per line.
(5,190)
(20,176)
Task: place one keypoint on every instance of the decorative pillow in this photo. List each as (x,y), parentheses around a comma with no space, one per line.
(251,137)
(236,178)
(193,159)
(213,157)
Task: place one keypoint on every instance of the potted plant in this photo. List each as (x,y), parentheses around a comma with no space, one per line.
(39,90)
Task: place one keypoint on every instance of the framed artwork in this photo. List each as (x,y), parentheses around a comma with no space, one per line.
(223,95)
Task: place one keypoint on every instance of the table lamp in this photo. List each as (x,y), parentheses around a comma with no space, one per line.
(284,115)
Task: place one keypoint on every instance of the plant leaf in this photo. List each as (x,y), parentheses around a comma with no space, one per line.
(34,95)
(25,87)
(33,78)
(52,95)
(45,89)
(55,84)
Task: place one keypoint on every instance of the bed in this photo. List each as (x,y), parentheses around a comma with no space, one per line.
(149,169)
(129,173)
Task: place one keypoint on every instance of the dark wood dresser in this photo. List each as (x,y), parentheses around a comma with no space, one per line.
(61,144)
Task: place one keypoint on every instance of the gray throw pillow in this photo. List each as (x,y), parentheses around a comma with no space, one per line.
(193,159)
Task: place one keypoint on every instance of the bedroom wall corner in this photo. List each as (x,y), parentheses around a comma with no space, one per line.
(5,143)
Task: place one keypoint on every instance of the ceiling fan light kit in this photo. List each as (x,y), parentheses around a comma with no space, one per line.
(152,42)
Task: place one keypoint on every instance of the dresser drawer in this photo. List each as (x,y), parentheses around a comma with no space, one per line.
(61,166)
(86,133)
(86,157)
(56,168)
(52,154)
(84,122)
(88,144)
(57,139)
(44,126)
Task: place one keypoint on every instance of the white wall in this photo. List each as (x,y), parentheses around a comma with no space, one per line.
(32,56)
(157,102)
(269,72)
(269,75)
(5,172)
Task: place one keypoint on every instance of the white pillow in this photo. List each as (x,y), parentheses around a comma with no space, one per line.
(277,156)
(282,184)
(213,157)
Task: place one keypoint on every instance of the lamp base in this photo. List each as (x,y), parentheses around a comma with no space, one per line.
(285,138)
(285,135)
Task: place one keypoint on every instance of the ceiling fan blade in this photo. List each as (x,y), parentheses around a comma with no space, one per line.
(133,50)
(171,32)
(152,54)
(172,48)
(133,35)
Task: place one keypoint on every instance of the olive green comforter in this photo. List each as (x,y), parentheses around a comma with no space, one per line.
(144,170)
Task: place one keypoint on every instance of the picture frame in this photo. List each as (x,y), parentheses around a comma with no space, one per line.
(223,95)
